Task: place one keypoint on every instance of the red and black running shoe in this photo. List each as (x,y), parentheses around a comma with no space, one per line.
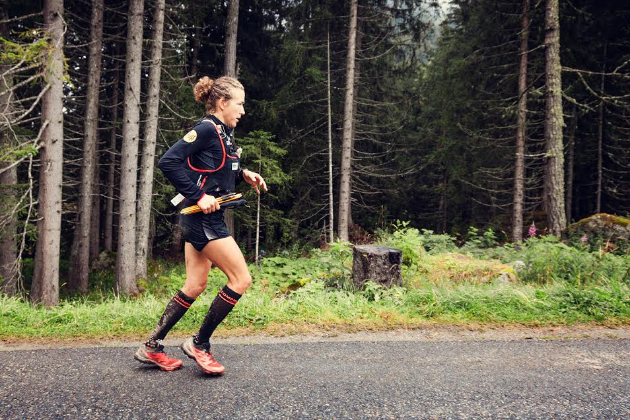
(155,355)
(203,356)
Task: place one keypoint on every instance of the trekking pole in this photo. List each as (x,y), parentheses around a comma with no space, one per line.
(221,200)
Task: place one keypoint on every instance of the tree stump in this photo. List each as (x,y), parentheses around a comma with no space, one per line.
(380,264)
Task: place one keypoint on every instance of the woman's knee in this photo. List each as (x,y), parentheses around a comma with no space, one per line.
(194,288)
(240,283)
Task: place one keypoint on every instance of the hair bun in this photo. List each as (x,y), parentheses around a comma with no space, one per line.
(209,92)
(202,89)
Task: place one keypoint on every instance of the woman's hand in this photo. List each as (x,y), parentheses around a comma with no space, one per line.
(208,204)
(255,180)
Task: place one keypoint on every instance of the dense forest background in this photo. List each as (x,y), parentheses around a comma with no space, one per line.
(487,113)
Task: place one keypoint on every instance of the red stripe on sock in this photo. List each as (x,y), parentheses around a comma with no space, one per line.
(227,298)
(181,301)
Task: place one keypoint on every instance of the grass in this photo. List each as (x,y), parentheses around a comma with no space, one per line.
(315,307)
(314,293)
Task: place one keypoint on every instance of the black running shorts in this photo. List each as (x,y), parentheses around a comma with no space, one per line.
(199,228)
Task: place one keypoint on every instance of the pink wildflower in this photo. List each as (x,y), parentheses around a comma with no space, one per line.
(532,230)
(584,239)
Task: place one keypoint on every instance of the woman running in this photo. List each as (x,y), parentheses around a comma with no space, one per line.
(205,165)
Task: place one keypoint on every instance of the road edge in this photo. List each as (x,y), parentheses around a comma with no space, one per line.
(422,334)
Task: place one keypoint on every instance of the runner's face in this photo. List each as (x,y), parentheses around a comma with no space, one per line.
(234,108)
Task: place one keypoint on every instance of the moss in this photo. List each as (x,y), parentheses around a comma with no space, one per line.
(458,268)
(607,219)
(618,220)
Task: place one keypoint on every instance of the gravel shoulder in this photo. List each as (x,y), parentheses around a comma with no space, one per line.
(431,333)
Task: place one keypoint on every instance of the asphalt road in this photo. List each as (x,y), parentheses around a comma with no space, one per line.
(559,379)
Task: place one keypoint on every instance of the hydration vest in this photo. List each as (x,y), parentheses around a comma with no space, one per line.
(222,179)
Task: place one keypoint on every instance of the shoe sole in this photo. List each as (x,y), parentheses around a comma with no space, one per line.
(142,359)
(206,371)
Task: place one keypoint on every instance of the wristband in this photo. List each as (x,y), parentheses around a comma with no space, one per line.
(239,175)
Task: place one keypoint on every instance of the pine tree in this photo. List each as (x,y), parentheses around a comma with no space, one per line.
(8,182)
(126,255)
(521,129)
(45,287)
(554,121)
(145,189)
(80,258)
(348,118)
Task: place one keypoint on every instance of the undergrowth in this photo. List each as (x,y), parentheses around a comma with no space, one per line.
(557,284)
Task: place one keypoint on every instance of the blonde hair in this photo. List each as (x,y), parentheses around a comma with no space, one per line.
(209,92)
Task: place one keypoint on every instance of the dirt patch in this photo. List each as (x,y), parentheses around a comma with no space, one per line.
(432,332)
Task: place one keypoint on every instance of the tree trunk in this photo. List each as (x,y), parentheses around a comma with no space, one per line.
(152,232)
(346,146)
(176,239)
(600,136)
(229,69)
(444,202)
(570,163)
(8,245)
(231,31)
(95,222)
(196,44)
(80,258)
(258,219)
(126,255)
(521,124)
(8,182)
(147,165)
(45,286)
(357,70)
(111,171)
(331,215)
(554,182)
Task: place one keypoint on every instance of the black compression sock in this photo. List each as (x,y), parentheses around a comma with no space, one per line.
(220,308)
(175,309)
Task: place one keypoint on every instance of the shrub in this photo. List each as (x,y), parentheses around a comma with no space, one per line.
(487,239)
(405,238)
(435,243)
(547,259)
